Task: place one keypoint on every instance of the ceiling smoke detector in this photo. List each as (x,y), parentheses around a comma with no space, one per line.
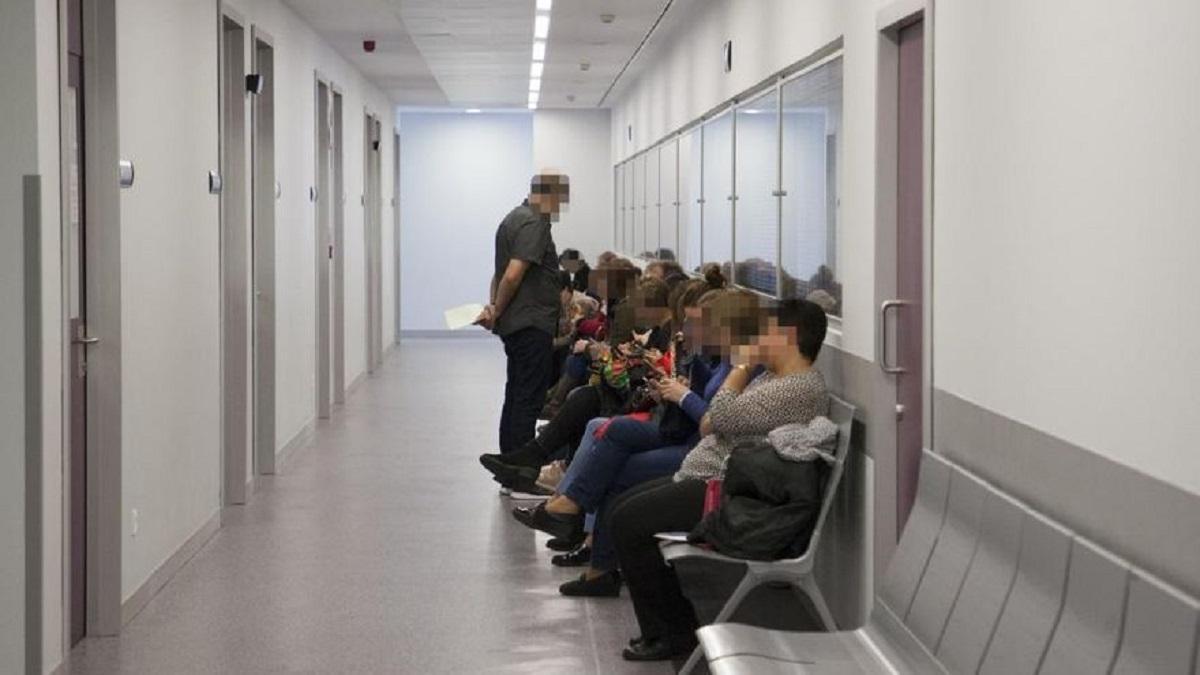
(585,65)
(608,18)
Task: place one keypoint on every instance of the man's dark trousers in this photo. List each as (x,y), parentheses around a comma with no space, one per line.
(530,353)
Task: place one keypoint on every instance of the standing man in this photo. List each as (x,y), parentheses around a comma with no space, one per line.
(525,304)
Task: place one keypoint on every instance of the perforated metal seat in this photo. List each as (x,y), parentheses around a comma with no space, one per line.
(798,572)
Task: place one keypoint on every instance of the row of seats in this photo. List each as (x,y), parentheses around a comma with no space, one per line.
(981,583)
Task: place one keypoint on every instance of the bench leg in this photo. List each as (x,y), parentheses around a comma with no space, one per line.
(808,584)
(693,661)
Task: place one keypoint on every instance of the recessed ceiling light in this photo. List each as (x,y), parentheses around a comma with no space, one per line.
(539,51)
(535,85)
(473,111)
(541,26)
(608,18)
(544,5)
(535,71)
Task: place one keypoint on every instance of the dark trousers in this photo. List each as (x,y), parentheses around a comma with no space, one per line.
(530,352)
(568,425)
(661,505)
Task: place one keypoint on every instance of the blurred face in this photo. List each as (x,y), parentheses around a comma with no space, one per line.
(775,342)
(572,266)
(654,270)
(693,331)
(548,193)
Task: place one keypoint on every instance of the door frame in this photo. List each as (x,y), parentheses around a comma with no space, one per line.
(263,196)
(372,239)
(102,285)
(236,320)
(396,232)
(337,101)
(890,20)
(318,195)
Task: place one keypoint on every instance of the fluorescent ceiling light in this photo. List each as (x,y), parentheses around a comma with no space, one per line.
(474,111)
(535,71)
(532,105)
(541,26)
(539,51)
(535,85)
(544,5)
(533,97)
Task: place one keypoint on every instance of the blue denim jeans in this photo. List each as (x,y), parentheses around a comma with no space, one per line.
(594,468)
(630,453)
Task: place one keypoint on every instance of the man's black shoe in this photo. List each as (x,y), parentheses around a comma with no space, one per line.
(554,524)
(577,558)
(607,585)
(654,649)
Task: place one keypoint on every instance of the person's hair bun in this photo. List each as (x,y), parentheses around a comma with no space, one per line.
(713,277)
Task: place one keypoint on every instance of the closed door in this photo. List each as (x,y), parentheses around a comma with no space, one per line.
(910,261)
(74,242)
(264,194)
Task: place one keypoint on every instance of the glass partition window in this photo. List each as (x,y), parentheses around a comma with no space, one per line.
(811,145)
(757,204)
(653,200)
(717,233)
(691,213)
(668,221)
(642,178)
(619,201)
(631,209)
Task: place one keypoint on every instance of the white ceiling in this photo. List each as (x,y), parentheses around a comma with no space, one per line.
(476,53)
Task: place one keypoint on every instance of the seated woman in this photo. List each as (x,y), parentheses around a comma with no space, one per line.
(790,391)
(632,451)
(607,394)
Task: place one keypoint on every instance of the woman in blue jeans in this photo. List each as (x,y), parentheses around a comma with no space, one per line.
(617,456)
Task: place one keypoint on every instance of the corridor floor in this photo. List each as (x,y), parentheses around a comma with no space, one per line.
(380,547)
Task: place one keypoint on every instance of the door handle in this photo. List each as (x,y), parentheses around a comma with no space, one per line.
(84,340)
(884,308)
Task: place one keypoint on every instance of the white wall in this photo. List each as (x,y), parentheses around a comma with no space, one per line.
(460,175)
(578,143)
(1066,218)
(679,77)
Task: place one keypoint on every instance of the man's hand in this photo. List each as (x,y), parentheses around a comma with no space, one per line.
(487,318)
(673,390)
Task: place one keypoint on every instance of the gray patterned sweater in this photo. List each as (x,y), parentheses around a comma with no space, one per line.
(767,403)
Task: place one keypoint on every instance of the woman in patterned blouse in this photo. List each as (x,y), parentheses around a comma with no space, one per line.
(790,391)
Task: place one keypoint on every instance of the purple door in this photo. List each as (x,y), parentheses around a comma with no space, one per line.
(910,176)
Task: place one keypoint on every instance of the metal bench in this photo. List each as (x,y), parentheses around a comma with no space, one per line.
(797,572)
(996,588)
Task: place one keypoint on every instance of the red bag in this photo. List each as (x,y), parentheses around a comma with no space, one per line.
(712,495)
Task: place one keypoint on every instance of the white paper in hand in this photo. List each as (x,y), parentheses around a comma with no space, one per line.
(462,316)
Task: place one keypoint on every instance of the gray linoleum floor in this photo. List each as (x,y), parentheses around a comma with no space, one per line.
(381,547)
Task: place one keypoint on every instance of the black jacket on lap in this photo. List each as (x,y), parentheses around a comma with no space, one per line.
(769,506)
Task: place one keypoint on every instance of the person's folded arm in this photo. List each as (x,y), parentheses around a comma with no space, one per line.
(750,413)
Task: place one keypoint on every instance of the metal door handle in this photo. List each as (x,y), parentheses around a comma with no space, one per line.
(883,336)
(85,340)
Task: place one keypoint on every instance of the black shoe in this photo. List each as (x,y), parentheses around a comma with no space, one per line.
(607,585)
(525,480)
(563,545)
(655,649)
(577,558)
(554,524)
(506,472)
